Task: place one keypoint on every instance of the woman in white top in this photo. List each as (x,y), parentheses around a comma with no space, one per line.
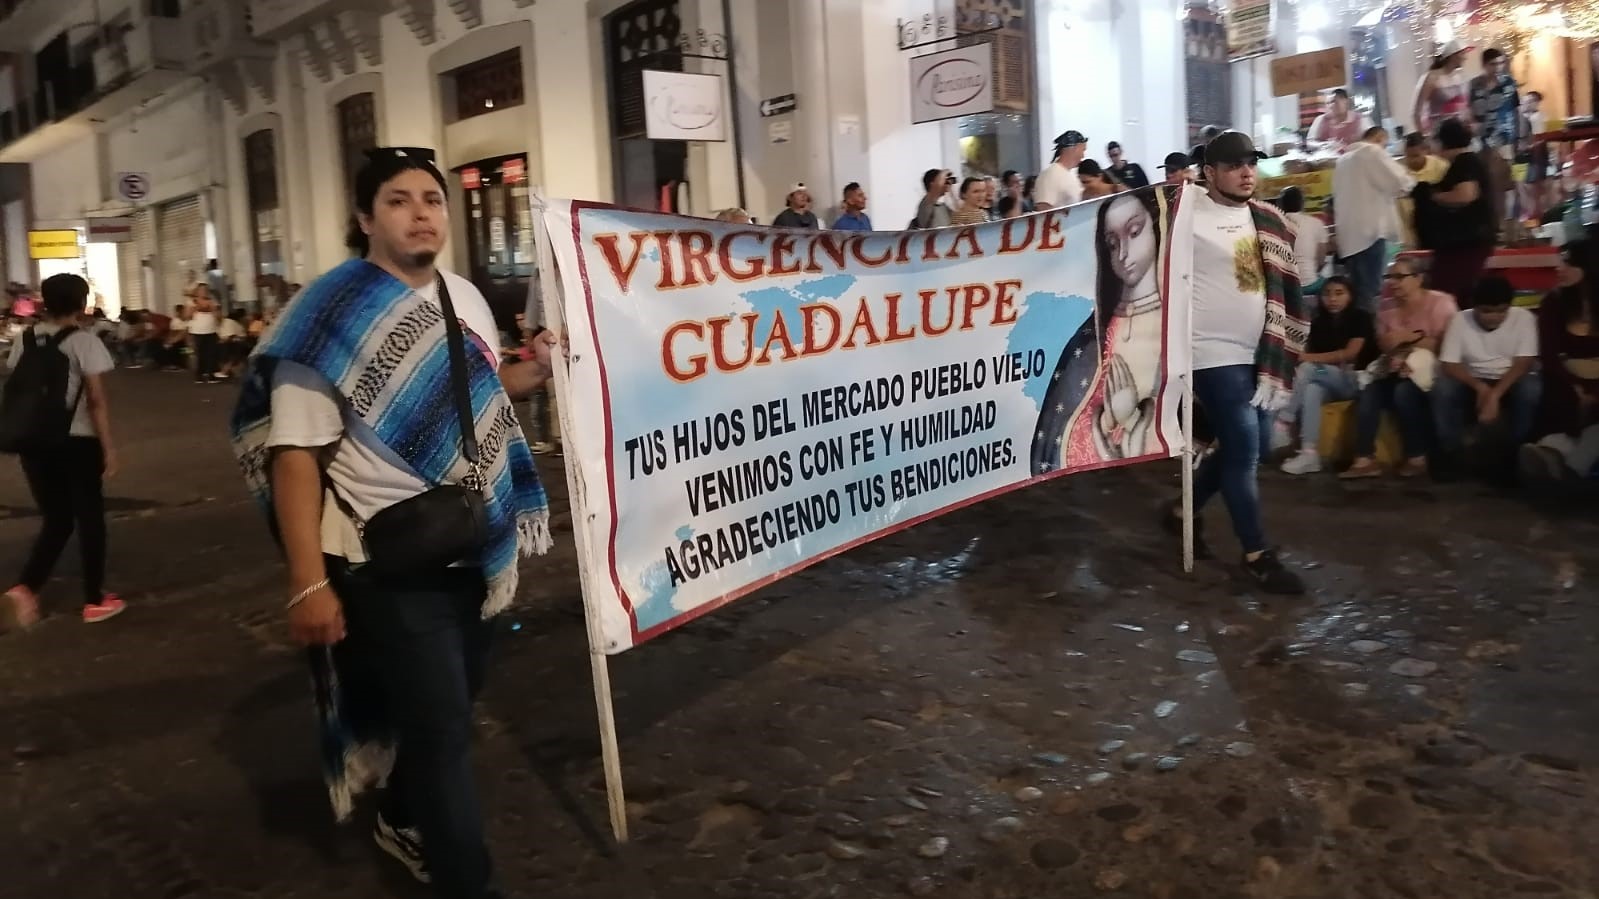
(65,475)
(203,333)
(1444,92)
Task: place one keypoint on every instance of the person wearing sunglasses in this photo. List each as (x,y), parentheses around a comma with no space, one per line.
(1410,328)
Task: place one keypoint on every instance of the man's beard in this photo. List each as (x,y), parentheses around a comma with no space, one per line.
(422,259)
(1236,198)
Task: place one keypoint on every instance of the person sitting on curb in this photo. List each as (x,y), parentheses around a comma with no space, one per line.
(1342,342)
(1487,359)
(1415,319)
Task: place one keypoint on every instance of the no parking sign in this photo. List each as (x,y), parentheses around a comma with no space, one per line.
(133,186)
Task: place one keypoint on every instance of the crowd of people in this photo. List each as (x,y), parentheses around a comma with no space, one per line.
(1438,347)
(197,337)
(403,519)
(951,200)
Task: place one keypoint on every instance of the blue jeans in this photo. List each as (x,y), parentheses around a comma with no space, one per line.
(1225,393)
(423,644)
(1409,403)
(1454,404)
(1366,269)
(1315,385)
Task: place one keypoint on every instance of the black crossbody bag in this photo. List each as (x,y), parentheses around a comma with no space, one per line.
(449,523)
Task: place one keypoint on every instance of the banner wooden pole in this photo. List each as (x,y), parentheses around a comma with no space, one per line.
(599,663)
(1188,473)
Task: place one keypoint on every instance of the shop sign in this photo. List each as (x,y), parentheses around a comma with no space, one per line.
(514,171)
(61,244)
(1249,30)
(471,178)
(779,105)
(1316,186)
(684,106)
(1303,73)
(115,229)
(952,83)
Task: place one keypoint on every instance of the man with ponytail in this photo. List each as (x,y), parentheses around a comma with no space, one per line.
(376,428)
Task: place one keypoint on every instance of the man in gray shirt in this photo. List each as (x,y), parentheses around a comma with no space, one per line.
(798,214)
(932,212)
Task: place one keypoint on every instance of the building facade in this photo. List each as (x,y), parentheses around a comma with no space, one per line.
(225,133)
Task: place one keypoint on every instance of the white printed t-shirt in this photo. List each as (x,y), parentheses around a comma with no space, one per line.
(1058,186)
(1229,312)
(1489,354)
(86,356)
(367,476)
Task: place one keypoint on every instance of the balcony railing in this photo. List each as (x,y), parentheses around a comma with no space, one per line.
(219,32)
(153,44)
(277,19)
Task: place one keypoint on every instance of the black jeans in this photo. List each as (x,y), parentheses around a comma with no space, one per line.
(1410,405)
(67,487)
(423,640)
(207,356)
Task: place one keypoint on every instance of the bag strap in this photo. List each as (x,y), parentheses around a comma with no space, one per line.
(459,386)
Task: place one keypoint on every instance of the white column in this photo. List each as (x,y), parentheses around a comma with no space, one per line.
(568,116)
(1127,28)
(812,126)
(898,152)
(712,166)
(1153,91)
(1081,44)
(294,201)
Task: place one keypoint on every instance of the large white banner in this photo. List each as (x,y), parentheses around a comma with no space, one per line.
(743,401)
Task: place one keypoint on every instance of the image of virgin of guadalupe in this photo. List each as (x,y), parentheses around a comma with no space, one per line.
(1101,402)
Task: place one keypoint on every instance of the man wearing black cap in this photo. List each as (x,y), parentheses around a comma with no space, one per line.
(1206,135)
(1178,168)
(1247,332)
(1058,184)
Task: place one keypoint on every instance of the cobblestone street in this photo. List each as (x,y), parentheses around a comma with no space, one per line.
(1027,698)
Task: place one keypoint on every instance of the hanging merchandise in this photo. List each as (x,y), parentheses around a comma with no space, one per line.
(180,233)
(1249,30)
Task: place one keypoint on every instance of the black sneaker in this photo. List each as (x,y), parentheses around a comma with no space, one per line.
(1172,523)
(1268,573)
(405,844)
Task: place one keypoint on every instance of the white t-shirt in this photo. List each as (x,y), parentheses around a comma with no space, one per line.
(1310,236)
(177,325)
(1058,186)
(367,476)
(86,355)
(203,323)
(1229,313)
(1488,354)
(228,329)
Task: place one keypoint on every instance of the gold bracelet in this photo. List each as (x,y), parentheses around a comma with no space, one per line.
(301,596)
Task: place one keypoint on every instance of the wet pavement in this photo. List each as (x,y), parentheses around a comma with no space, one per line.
(1022,699)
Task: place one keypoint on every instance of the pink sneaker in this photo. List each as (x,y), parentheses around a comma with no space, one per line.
(24,606)
(110,606)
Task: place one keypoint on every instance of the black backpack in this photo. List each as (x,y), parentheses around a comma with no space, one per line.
(34,415)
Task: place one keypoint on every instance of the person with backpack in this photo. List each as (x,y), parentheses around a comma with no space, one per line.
(54,415)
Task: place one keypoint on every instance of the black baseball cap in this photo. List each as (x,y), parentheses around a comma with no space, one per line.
(1232,148)
(1070,139)
(1176,160)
